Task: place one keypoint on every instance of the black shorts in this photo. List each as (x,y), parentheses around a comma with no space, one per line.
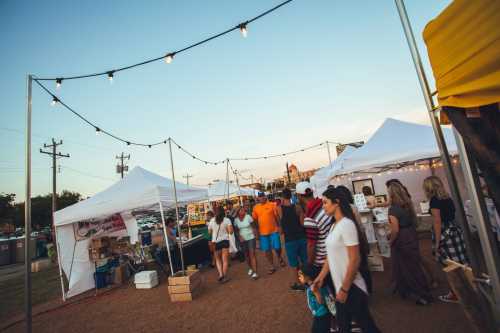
(222,245)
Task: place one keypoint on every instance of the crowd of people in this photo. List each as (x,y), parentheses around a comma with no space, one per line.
(327,250)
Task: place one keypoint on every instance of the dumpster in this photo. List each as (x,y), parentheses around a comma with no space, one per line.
(20,249)
(4,252)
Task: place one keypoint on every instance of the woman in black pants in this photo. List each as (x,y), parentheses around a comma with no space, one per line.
(345,253)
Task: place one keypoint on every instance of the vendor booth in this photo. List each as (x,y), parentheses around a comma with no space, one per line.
(220,190)
(86,229)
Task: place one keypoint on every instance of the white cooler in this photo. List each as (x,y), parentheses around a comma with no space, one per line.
(146,280)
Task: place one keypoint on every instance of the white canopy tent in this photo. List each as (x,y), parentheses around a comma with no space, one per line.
(394,143)
(219,191)
(140,189)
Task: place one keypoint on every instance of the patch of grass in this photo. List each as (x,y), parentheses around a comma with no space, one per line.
(45,287)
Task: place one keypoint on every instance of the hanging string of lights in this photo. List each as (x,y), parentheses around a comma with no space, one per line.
(169,56)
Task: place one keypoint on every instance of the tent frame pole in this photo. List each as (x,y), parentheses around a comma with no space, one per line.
(27,208)
(227,177)
(166,236)
(59,262)
(176,206)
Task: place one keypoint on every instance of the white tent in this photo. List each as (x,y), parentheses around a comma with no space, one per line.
(320,179)
(140,189)
(395,142)
(218,191)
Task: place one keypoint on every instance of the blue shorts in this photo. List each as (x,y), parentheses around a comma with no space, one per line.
(269,242)
(296,250)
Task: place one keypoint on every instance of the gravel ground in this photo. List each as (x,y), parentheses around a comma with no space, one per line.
(241,305)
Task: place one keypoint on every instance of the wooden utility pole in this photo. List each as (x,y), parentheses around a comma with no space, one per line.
(187,176)
(54,154)
(121,167)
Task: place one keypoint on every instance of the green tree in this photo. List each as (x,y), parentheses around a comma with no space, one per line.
(7,209)
(41,208)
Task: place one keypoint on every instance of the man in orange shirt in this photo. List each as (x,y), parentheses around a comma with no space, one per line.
(266,215)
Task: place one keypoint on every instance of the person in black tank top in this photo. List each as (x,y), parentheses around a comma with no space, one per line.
(292,227)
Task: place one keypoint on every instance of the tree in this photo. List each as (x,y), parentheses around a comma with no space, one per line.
(41,208)
(7,209)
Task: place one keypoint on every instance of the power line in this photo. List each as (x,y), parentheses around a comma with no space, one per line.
(168,57)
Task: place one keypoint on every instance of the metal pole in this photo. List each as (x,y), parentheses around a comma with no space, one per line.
(166,237)
(445,156)
(227,177)
(27,211)
(59,261)
(54,189)
(329,154)
(176,205)
(480,215)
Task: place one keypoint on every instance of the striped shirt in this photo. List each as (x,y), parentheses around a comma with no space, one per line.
(317,230)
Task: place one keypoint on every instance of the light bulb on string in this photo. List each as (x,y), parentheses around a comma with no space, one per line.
(169,57)
(149,146)
(128,143)
(97,131)
(58,83)
(111,74)
(243,29)
(55,100)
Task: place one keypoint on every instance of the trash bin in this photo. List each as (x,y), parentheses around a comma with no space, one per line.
(4,252)
(20,249)
(12,250)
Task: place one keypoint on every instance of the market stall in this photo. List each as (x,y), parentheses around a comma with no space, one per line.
(110,213)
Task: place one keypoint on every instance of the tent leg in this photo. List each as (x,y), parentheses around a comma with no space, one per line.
(27,210)
(176,205)
(59,262)
(491,255)
(166,238)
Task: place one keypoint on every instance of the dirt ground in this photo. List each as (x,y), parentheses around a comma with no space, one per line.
(241,305)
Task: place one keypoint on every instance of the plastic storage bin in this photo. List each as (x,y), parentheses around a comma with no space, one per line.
(146,279)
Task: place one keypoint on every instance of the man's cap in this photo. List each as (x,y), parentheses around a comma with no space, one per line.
(261,194)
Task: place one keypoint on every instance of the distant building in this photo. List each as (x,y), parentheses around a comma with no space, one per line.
(296,175)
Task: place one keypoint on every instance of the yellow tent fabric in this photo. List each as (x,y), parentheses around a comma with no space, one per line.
(463,44)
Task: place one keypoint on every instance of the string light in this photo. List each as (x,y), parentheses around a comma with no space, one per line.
(128,143)
(97,131)
(149,146)
(243,29)
(55,100)
(169,57)
(58,83)
(111,74)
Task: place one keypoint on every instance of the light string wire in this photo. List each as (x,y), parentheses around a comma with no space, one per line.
(168,56)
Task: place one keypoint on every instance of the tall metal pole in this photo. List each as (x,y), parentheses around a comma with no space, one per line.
(27,210)
(59,262)
(445,156)
(176,205)
(166,236)
(329,154)
(227,177)
(480,215)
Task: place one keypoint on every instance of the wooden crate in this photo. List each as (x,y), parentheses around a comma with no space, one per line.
(180,279)
(183,288)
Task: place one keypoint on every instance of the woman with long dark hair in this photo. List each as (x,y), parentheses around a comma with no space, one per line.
(346,254)
(408,275)
(220,228)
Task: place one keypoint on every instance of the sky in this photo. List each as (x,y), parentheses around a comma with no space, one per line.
(309,72)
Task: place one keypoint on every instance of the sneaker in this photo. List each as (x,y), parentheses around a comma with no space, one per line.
(254,276)
(225,279)
(250,272)
(297,287)
(449,298)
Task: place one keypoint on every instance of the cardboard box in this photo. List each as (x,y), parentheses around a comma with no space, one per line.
(180,279)
(100,242)
(122,274)
(185,297)
(184,288)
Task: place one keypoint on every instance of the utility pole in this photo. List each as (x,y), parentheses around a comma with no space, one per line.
(187,176)
(288,173)
(54,154)
(121,168)
(329,154)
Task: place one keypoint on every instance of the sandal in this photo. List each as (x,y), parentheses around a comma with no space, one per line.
(271,271)
(449,298)
(282,263)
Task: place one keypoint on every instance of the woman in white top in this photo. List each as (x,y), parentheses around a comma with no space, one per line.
(220,228)
(246,229)
(346,258)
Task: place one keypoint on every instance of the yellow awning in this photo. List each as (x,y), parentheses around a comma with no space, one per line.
(463,43)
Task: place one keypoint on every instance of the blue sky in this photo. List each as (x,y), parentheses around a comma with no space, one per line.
(311,71)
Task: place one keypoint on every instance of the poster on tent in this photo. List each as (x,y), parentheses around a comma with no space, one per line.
(96,227)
